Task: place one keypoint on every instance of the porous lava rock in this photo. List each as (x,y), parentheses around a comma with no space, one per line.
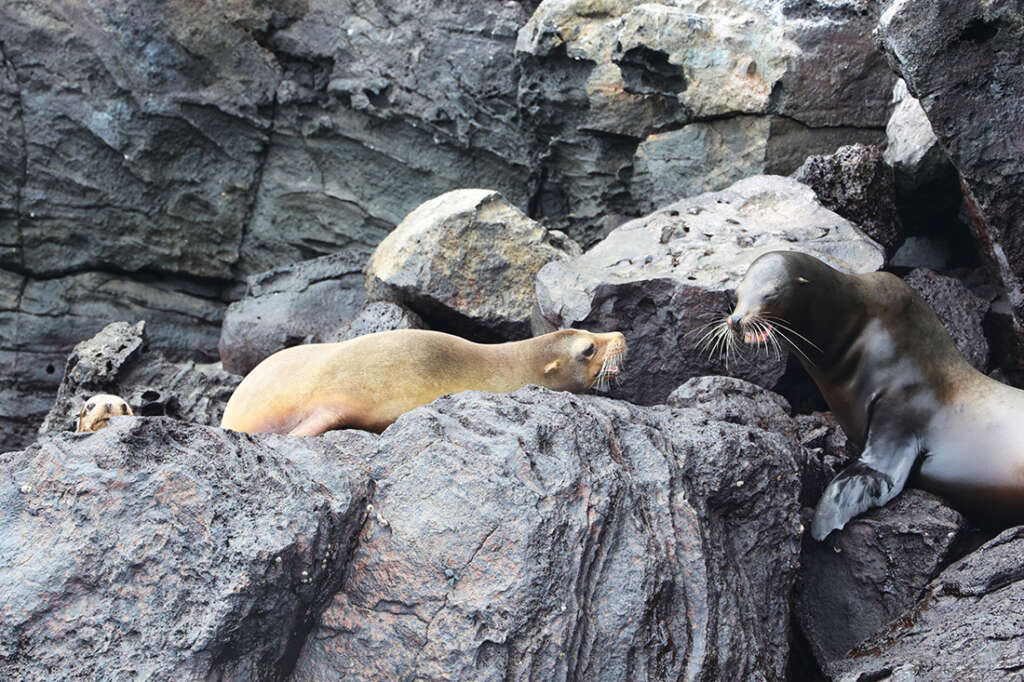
(119,360)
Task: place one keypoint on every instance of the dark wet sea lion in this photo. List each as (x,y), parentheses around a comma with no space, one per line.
(367,382)
(896,382)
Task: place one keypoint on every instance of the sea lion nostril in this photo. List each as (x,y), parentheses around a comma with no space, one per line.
(734,322)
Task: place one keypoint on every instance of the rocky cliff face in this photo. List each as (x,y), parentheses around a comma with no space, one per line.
(153,155)
(213,178)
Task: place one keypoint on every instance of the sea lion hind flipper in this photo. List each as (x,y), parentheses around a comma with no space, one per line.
(870,481)
(320,420)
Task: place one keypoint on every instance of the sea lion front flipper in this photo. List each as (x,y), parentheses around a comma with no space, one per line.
(871,481)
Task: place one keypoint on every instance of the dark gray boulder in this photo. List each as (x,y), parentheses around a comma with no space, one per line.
(858,580)
(292,304)
(857,184)
(966,627)
(550,535)
(962,62)
(171,550)
(961,310)
(119,360)
(662,279)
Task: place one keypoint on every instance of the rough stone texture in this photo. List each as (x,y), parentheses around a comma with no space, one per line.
(641,543)
(858,580)
(965,63)
(827,451)
(857,184)
(42,319)
(658,279)
(712,91)
(961,311)
(379,316)
(172,551)
(466,262)
(290,305)
(966,627)
(119,360)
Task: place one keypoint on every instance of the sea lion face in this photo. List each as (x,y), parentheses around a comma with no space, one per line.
(767,298)
(98,410)
(585,360)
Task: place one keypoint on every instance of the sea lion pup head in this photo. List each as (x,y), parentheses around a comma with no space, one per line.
(98,410)
(576,360)
(775,303)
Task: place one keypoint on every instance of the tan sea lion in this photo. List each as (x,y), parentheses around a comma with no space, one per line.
(98,410)
(367,382)
(896,382)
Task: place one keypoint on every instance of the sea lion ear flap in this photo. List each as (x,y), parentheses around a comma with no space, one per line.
(81,413)
(803,280)
(551,367)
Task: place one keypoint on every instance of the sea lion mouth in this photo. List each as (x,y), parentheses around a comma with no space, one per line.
(759,336)
(610,369)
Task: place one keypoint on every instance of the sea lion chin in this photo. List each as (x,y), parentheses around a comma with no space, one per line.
(896,383)
(369,381)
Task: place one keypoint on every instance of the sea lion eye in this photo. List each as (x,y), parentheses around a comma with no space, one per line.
(90,406)
(589,351)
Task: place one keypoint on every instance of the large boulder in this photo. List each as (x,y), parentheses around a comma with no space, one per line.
(171,550)
(662,278)
(858,580)
(466,262)
(966,627)
(292,304)
(636,543)
(962,62)
(119,360)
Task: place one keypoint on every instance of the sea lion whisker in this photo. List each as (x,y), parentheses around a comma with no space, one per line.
(784,325)
(696,330)
(770,338)
(795,347)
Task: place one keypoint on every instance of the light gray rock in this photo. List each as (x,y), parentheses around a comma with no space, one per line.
(658,279)
(911,147)
(466,262)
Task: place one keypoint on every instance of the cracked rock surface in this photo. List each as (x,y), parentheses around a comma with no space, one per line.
(546,534)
